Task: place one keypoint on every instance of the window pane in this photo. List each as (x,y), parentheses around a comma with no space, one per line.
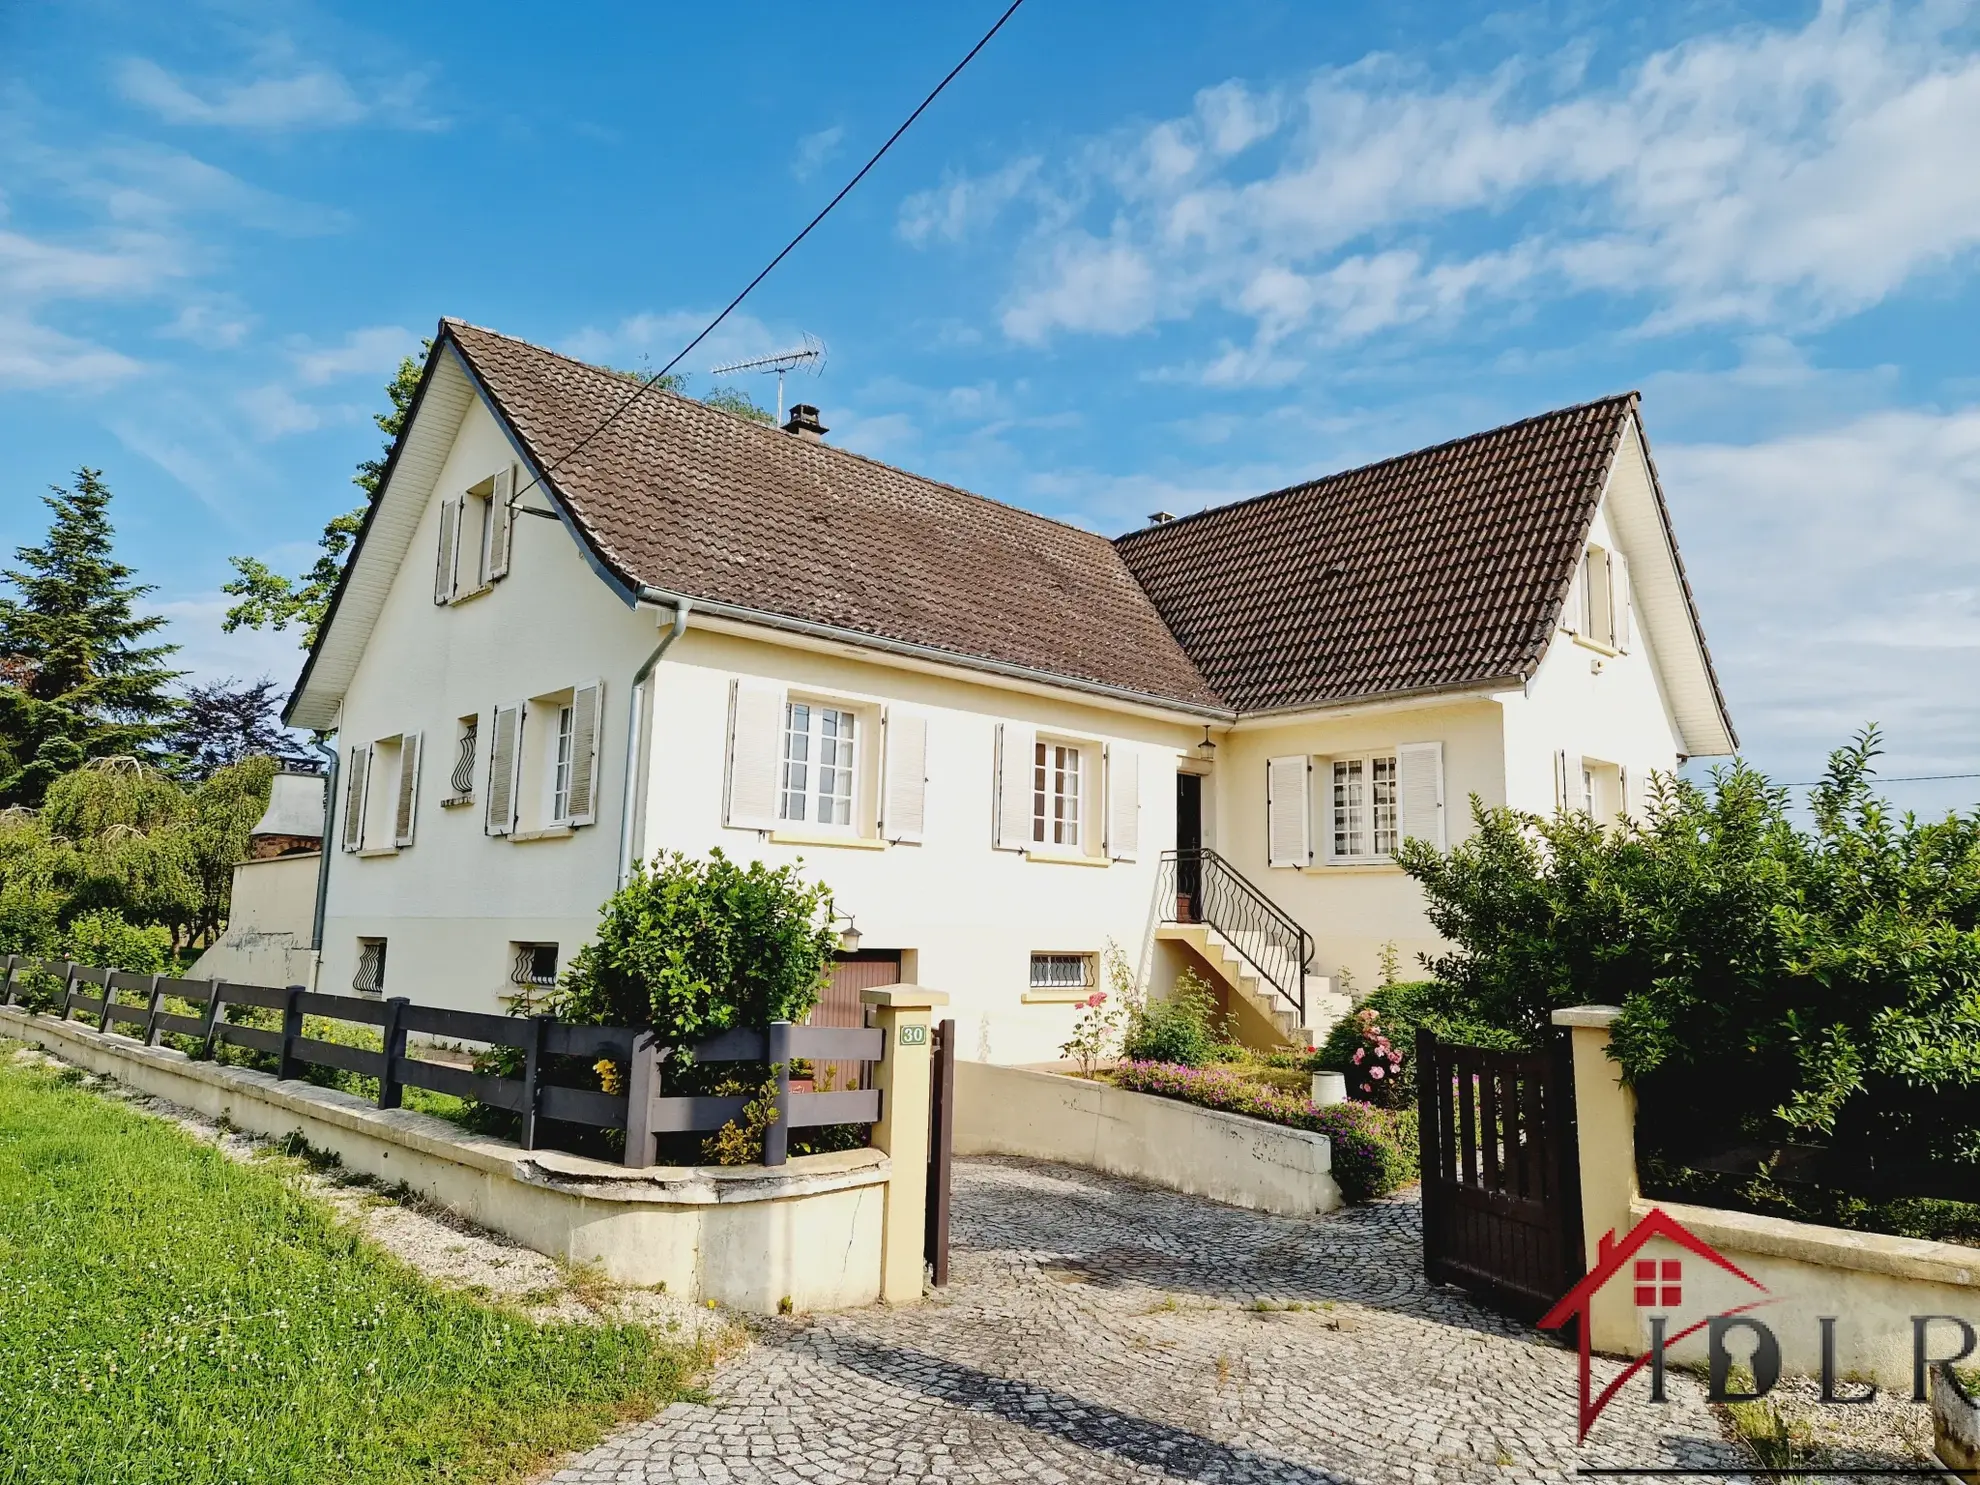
(1065,796)
(1038,792)
(1382,801)
(797,757)
(835,767)
(1350,808)
(560,783)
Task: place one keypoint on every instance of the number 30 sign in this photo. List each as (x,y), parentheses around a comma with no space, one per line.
(914,1036)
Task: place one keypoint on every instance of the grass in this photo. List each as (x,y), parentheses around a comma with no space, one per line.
(168,1314)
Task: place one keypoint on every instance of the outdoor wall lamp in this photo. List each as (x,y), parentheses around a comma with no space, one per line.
(849,937)
(1206,750)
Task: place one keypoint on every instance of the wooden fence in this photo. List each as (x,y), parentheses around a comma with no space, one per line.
(643,1111)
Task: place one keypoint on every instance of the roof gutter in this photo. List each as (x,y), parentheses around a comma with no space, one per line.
(930,654)
(635,707)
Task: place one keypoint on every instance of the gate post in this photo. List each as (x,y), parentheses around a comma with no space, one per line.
(903,1076)
(1605,1127)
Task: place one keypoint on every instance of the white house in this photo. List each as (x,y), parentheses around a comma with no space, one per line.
(580,628)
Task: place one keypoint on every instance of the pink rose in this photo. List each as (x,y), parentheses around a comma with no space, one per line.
(1358,1054)
(1375,1072)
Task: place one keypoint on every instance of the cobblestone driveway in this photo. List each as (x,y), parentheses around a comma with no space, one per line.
(1100,1330)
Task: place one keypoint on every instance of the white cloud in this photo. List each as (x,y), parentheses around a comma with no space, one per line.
(1777,178)
(208,654)
(35,357)
(646,341)
(1835,579)
(373,351)
(813,150)
(273,411)
(313,97)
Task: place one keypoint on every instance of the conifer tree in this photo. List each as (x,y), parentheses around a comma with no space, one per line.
(77,680)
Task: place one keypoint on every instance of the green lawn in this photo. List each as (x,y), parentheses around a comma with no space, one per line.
(172,1317)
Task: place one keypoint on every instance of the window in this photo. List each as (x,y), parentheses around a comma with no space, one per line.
(535,964)
(1588,792)
(1055,794)
(560,768)
(1362,810)
(370,976)
(1061,971)
(467,734)
(817,777)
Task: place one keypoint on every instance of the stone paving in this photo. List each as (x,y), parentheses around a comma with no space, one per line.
(1096,1329)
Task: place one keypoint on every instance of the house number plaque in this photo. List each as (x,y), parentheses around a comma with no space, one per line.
(914,1036)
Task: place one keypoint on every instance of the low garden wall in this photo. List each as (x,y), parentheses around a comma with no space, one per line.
(1873,1285)
(1201,1152)
(809,1232)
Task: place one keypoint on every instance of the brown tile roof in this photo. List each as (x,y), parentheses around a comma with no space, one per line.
(1437,569)
(680,496)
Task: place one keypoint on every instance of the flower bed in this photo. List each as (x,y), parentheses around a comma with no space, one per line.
(1374,1150)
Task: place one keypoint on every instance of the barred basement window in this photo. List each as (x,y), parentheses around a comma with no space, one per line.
(536,964)
(1061,971)
(370,976)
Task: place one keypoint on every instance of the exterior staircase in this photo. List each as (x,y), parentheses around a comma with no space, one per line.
(1257,949)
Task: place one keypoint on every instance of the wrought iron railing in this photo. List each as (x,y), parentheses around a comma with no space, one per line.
(1202,887)
(463,779)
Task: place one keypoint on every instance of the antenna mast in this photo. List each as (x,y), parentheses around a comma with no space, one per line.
(809,357)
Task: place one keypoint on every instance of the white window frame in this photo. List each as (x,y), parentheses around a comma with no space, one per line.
(1367,808)
(1050,824)
(800,799)
(563,737)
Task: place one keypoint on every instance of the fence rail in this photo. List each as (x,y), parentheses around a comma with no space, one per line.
(642,1110)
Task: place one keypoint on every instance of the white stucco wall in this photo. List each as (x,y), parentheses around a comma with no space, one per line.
(966,917)
(1353,910)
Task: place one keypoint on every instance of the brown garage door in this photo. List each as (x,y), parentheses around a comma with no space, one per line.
(840,1005)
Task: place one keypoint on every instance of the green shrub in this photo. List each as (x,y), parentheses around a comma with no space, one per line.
(1400,1010)
(102,938)
(1184,1027)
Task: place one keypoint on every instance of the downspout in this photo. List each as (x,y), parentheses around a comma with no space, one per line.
(635,697)
(323,855)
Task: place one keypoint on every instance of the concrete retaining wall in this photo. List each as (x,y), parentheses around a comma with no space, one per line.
(746,1236)
(1226,1157)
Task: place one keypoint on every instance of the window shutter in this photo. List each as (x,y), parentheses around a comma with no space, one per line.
(1013,792)
(504,757)
(905,800)
(1571,610)
(450,540)
(402,831)
(756,753)
(354,799)
(1619,597)
(1288,819)
(1420,777)
(586,709)
(495,546)
(1123,803)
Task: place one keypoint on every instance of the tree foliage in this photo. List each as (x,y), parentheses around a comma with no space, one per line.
(263,597)
(77,680)
(1820,984)
(229,721)
(694,947)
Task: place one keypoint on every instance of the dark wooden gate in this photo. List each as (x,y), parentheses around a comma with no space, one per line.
(1501,1178)
(941,1139)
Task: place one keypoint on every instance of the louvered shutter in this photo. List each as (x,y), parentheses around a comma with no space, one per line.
(1288,838)
(357,765)
(450,541)
(504,758)
(1619,597)
(1013,792)
(756,752)
(906,794)
(586,710)
(1571,610)
(495,545)
(1123,803)
(402,830)
(1420,780)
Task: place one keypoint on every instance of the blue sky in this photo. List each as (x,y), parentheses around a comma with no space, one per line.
(1143,257)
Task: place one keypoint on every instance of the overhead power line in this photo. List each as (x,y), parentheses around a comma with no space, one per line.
(825,211)
(1902,778)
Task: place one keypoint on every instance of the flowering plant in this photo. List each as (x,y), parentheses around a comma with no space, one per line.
(1374,1067)
(1095,1033)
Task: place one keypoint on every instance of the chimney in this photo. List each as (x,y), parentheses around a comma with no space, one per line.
(804,423)
(1160,518)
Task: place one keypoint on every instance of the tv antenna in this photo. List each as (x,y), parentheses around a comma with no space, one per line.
(809,357)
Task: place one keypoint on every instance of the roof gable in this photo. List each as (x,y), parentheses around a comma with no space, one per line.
(1438,569)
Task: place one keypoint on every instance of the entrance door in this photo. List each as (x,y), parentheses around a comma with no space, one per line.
(840,1004)
(1189,845)
(1501,1175)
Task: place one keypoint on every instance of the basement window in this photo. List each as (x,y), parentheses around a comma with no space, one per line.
(1062,971)
(535,964)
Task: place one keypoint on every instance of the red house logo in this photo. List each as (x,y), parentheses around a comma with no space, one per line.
(1657,1284)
